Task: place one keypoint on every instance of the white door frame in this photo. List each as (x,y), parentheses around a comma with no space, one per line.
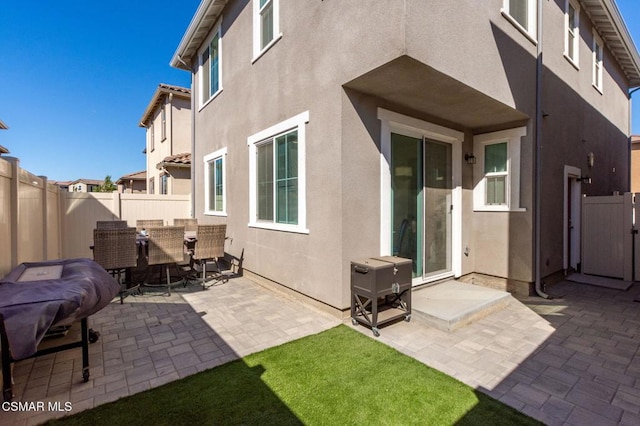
(398,123)
(573,191)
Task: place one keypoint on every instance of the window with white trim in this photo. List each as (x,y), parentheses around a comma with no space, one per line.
(497,170)
(277,176)
(210,67)
(164,183)
(152,186)
(163,119)
(523,14)
(152,138)
(266,25)
(215,202)
(572,31)
(597,61)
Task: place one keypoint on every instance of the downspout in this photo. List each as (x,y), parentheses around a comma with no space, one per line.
(538,156)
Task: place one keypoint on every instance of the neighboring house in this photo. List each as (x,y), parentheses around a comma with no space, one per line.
(460,137)
(3,150)
(85,185)
(133,183)
(168,123)
(635,163)
(63,185)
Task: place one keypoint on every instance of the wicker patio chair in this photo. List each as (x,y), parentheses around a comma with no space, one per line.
(190,224)
(111,224)
(165,247)
(148,223)
(209,247)
(115,250)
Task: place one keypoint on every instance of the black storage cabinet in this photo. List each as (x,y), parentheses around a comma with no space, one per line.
(380,291)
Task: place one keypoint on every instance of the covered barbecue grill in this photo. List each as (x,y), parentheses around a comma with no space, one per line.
(380,291)
(37,296)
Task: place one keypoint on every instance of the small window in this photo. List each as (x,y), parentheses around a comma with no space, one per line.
(152,186)
(597,62)
(277,176)
(523,14)
(266,25)
(210,75)
(497,170)
(572,31)
(495,173)
(164,184)
(215,183)
(163,117)
(152,138)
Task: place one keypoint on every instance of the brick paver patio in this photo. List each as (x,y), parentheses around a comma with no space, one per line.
(572,360)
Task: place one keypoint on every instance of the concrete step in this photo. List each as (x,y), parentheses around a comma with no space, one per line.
(452,304)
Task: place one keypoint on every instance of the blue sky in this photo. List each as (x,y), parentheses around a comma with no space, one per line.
(75,80)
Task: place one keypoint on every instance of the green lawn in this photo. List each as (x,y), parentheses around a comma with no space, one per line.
(338,377)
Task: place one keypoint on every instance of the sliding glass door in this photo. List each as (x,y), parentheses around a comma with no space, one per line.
(421,204)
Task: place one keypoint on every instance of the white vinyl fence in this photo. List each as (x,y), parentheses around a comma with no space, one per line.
(81,210)
(608,235)
(38,221)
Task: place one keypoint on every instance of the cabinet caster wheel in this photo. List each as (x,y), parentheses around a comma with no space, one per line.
(354,321)
(93,336)
(375,331)
(85,376)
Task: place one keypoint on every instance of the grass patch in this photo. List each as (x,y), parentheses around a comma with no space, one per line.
(336,377)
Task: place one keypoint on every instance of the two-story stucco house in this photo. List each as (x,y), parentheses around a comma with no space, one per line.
(458,134)
(167,120)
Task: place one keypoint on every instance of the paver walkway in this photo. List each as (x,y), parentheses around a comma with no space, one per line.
(572,360)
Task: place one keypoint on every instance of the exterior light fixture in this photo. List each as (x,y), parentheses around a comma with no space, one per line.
(470,158)
(584,179)
(590,158)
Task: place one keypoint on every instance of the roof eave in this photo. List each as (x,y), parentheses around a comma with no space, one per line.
(160,92)
(627,57)
(203,21)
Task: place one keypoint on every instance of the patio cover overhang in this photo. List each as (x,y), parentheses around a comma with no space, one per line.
(411,84)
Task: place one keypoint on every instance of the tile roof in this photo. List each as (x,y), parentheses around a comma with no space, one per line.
(133,176)
(177,160)
(3,150)
(158,97)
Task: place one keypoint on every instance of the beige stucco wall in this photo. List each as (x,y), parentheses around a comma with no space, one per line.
(177,140)
(307,71)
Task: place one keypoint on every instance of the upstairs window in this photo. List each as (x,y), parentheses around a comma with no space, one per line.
(152,186)
(163,118)
(597,62)
(152,138)
(572,31)
(210,75)
(266,25)
(523,14)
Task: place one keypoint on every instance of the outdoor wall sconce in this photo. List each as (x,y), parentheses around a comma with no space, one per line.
(470,158)
(590,158)
(584,179)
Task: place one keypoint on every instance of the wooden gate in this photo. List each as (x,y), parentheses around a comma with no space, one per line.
(608,236)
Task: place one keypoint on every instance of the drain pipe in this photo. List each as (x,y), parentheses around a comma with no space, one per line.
(538,157)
